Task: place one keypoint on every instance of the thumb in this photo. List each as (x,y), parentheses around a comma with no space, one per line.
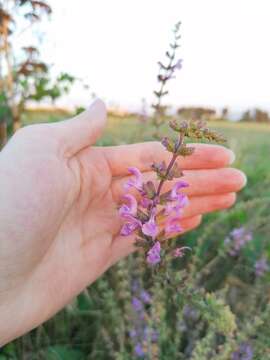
(84,129)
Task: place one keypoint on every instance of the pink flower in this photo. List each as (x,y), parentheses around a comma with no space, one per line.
(182,201)
(180,252)
(172,226)
(131,225)
(150,228)
(136,182)
(153,255)
(175,190)
(145,202)
(178,205)
(130,208)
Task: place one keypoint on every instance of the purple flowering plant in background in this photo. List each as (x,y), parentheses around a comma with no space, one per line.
(237,239)
(244,352)
(141,333)
(261,267)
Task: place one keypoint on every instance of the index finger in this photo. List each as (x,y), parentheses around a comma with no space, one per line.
(142,156)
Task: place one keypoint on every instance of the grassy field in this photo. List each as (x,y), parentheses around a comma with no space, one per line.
(230,307)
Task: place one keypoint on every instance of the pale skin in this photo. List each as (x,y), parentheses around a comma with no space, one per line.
(58,210)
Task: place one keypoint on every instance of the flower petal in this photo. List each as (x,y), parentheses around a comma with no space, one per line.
(136,182)
(179,185)
(153,255)
(150,228)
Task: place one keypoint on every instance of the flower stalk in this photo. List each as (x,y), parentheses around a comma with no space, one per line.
(166,73)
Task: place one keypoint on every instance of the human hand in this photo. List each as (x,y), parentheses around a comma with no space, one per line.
(58,212)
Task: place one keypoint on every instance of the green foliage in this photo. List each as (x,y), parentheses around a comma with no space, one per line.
(24,76)
(5,113)
(39,87)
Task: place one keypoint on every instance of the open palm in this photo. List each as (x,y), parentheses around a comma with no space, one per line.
(58,212)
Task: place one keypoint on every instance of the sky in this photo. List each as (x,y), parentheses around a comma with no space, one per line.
(114,46)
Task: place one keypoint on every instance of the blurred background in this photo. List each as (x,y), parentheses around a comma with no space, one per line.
(55,56)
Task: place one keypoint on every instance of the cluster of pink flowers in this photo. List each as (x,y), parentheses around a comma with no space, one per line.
(151,215)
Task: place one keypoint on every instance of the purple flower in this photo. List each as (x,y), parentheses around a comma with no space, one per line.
(131,225)
(180,252)
(145,296)
(150,228)
(178,205)
(139,350)
(168,144)
(241,235)
(145,202)
(133,333)
(237,239)
(150,334)
(165,141)
(136,182)
(261,267)
(172,226)
(244,352)
(154,336)
(182,201)
(137,304)
(130,208)
(153,255)
(175,190)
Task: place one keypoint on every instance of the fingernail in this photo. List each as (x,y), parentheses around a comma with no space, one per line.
(96,103)
(244,179)
(231,156)
(97,108)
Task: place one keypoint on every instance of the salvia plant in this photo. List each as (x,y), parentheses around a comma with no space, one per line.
(152,214)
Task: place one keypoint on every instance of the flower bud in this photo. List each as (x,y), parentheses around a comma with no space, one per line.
(186,150)
(168,144)
(160,169)
(174,125)
(149,189)
(175,172)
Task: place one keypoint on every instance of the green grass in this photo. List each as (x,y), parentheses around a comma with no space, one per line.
(44,115)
